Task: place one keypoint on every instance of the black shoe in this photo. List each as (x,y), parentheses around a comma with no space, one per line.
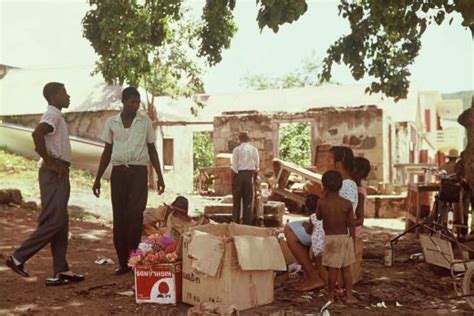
(56,281)
(20,269)
(73,278)
(122,270)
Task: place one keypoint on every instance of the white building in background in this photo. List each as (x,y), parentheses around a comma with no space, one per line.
(438,119)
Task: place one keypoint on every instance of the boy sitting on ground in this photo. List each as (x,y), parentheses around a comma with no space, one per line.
(174,216)
(338,223)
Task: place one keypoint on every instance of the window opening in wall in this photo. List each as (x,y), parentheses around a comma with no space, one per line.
(203,160)
(168,152)
(295,143)
(203,150)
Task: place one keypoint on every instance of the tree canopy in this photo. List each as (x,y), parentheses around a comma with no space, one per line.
(304,76)
(155,43)
(384,39)
(144,42)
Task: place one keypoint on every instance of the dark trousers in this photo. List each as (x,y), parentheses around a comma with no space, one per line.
(242,196)
(129,186)
(53,222)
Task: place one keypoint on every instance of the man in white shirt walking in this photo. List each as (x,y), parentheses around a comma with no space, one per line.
(245,165)
(51,139)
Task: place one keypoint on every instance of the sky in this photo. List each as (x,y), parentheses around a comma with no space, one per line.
(48,34)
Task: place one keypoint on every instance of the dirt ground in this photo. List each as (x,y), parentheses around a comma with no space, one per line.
(408,288)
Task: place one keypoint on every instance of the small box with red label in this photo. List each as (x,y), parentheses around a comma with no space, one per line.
(158,284)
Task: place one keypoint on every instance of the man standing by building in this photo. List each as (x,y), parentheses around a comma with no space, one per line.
(450,165)
(245,165)
(51,139)
(129,144)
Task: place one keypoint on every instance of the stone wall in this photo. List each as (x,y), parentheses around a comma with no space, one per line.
(385,206)
(360,128)
(259,126)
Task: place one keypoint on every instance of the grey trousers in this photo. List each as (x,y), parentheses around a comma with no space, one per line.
(53,226)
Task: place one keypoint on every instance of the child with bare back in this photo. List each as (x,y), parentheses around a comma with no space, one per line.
(338,223)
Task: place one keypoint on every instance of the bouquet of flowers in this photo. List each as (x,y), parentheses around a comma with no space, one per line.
(155,249)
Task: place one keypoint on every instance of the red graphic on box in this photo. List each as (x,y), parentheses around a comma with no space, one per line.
(158,284)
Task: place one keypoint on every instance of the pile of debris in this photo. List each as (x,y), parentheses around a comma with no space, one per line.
(14,197)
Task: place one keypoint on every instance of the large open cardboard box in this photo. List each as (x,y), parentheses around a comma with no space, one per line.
(230,264)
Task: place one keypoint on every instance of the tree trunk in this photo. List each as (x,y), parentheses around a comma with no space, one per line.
(151,111)
(466,119)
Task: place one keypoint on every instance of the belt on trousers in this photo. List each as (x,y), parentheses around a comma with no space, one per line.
(246,171)
(64,162)
(127,167)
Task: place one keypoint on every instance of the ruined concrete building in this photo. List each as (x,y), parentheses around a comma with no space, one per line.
(365,129)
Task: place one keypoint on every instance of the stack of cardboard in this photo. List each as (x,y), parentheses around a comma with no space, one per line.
(230,264)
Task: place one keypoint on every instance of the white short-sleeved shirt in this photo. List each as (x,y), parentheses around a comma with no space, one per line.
(130,146)
(349,192)
(245,157)
(57,142)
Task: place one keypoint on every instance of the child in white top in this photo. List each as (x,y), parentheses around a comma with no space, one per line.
(315,228)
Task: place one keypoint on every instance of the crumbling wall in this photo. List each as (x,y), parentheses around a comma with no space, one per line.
(359,128)
(259,127)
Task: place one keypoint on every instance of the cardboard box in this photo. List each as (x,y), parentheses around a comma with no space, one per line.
(230,264)
(160,284)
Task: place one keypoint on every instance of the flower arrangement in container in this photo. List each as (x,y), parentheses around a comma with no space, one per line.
(159,248)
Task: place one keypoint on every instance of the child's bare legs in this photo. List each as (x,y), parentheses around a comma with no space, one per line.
(301,254)
(318,265)
(332,277)
(339,289)
(347,276)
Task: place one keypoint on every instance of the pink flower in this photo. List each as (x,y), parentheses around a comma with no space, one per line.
(134,261)
(161,256)
(171,257)
(153,237)
(165,241)
(171,247)
(136,253)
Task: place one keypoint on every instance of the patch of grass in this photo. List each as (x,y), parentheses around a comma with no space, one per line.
(22,173)
(22,167)
(82,178)
(10,162)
